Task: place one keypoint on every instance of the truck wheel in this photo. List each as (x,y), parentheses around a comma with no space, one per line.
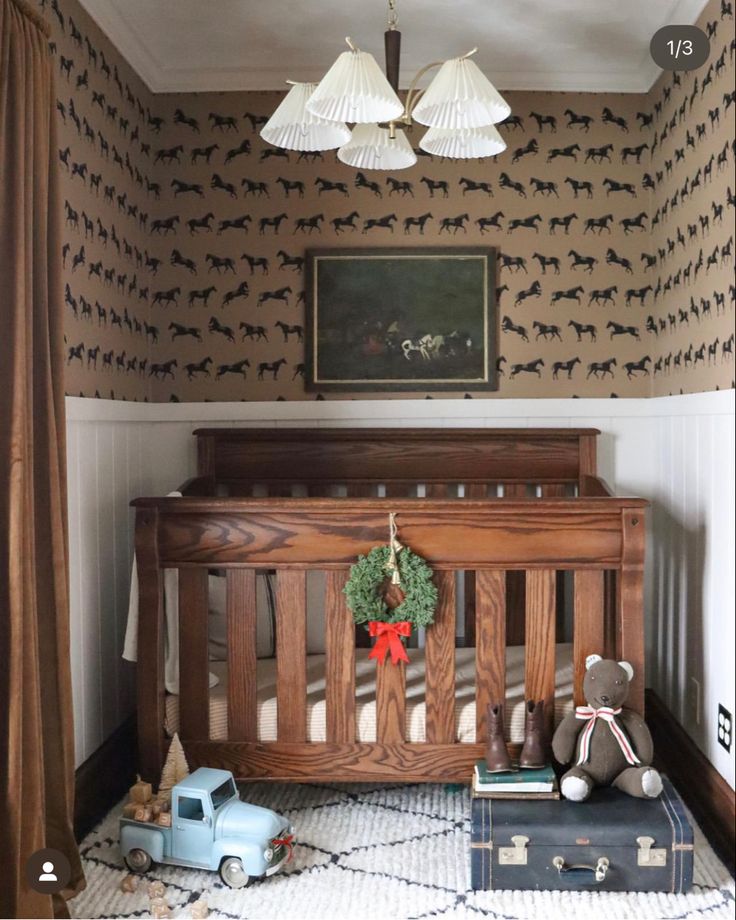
(233,874)
(138,861)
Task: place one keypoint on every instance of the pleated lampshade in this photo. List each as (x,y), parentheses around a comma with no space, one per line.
(291,126)
(469,144)
(355,89)
(460,97)
(370,147)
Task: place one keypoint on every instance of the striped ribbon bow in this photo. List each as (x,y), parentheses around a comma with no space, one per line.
(608,715)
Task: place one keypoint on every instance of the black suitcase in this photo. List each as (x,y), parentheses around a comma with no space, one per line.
(612,842)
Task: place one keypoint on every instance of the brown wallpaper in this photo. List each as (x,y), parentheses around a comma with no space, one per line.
(156,184)
(693,220)
(535,202)
(106,159)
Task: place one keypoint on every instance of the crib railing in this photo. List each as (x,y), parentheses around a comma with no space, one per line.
(507,549)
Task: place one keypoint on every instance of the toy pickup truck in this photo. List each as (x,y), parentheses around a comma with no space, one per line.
(210,829)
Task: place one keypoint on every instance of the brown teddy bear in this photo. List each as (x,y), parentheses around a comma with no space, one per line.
(610,745)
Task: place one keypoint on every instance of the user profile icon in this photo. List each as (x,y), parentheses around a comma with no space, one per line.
(48,871)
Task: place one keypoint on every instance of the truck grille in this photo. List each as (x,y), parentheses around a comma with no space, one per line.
(281,846)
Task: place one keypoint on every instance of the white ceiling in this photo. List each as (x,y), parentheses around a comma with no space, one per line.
(212,45)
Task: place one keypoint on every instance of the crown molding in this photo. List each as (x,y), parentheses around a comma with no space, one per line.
(161,79)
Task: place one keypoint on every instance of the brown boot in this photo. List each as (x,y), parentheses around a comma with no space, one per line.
(497,755)
(533,753)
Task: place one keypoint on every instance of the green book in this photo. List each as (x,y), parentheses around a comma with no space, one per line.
(541,780)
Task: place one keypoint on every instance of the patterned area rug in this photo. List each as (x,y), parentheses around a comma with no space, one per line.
(378,852)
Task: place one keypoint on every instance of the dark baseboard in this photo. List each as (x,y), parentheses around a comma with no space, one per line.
(103,779)
(706,793)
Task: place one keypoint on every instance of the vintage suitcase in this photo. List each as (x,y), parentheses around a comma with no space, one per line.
(612,842)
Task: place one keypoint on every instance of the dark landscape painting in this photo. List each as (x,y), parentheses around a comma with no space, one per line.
(401,319)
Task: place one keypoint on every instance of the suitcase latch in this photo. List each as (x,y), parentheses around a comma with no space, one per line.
(515,855)
(648,856)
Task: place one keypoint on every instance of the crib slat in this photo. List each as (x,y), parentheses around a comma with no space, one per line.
(588,635)
(437,490)
(390,702)
(398,489)
(515,590)
(472,490)
(539,675)
(291,649)
(553,490)
(360,489)
(490,644)
(241,651)
(339,661)
(440,664)
(194,694)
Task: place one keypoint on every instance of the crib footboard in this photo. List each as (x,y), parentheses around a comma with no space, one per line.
(496,544)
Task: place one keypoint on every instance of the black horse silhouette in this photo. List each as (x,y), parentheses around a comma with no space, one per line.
(237,368)
(215,326)
(566,366)
(486,223)
(619,329)
(582,329)
(340,223)
(201,367)
(531,367)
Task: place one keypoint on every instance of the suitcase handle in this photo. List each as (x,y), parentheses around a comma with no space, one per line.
(580,871)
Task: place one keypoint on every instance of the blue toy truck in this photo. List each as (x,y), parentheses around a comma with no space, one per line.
(210,829)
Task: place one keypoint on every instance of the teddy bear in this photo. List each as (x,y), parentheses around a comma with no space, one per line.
(608,744)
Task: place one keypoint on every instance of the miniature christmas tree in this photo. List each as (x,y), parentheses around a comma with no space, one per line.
(175,769)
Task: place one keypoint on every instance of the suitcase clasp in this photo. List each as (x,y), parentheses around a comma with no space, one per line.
(647,856)
(515,855)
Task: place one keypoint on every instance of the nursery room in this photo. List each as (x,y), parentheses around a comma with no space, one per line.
(367,451)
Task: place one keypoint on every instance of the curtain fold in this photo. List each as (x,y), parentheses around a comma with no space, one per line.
(36,732)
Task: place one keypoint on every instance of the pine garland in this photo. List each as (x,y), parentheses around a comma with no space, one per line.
(365,597)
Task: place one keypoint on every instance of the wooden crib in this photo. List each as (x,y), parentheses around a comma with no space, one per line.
(511,509)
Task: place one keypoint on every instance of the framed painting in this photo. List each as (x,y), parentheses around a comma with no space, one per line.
(409,320)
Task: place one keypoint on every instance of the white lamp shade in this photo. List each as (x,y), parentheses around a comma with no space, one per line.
(463,145)
(355,89)
(370,147)
(291,126)
(460,97)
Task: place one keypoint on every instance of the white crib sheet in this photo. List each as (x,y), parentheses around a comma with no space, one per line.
(366,696)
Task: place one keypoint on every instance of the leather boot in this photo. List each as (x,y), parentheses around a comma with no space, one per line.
(497,755)
(533,753)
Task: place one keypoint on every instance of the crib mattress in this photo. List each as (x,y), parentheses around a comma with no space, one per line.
(366,696)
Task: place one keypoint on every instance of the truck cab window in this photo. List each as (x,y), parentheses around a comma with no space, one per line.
(190,808)
(223,793)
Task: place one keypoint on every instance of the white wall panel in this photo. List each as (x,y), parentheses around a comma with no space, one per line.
(676,451)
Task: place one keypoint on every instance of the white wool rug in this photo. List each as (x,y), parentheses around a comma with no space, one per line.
(375,852)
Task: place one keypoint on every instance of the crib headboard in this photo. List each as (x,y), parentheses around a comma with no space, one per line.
(542,456)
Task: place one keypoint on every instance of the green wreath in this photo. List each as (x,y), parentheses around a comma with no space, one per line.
(364,588)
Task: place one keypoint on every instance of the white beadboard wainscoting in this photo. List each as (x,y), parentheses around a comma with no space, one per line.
(677,451)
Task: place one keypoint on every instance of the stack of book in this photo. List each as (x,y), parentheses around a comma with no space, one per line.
(515,784)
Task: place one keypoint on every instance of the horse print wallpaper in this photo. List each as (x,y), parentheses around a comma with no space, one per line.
(107,130)
(185,233)
(690,265)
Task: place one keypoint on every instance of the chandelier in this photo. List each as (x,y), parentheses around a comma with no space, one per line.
(460,107)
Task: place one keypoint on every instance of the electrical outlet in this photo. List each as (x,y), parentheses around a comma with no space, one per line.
(725,727)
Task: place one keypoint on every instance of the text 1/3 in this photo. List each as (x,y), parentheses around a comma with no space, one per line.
(680,47)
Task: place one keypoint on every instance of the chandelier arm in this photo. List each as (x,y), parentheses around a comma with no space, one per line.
(413,93)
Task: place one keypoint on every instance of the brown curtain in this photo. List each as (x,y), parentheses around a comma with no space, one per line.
(36,733)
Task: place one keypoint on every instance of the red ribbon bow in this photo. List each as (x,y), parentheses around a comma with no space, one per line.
(287,842)
(389,639)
